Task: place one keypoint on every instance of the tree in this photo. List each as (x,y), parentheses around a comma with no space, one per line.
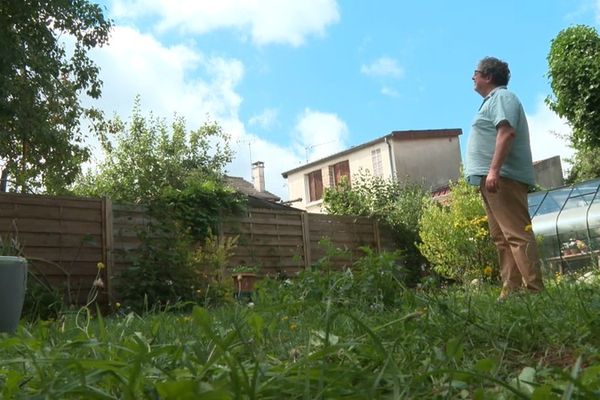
(585,165)
(144,159)
(574,72)
(40,86)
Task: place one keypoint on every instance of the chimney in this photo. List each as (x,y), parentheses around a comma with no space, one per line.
(258,176)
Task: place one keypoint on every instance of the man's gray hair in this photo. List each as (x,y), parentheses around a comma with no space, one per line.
(496,69)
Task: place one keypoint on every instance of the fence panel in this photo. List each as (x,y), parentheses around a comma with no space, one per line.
(345,233)
(62,238)
(269,239)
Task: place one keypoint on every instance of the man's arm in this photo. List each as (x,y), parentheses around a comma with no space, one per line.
(504,138)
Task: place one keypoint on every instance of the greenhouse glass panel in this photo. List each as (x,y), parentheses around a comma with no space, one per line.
(568,221)
(535,200)
(579,201)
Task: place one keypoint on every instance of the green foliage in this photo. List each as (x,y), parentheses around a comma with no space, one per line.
(42,299)
(397,205)
(170,266)
(376,280)
(161,273)
(455,237)
(585,165)
(448,344)
(179,177)
(40,87)
(145,159)
(574,71)
(199,206)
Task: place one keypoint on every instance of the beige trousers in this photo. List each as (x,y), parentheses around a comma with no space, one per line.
(510,229)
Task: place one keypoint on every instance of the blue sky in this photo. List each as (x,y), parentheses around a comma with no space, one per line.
(293,80)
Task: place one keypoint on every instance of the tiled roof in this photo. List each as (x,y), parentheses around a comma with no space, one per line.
(243,186)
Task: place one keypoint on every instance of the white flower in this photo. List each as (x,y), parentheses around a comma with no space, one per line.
(99,283)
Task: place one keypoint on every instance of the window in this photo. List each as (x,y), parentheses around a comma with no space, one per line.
(377,163)
(315,185)
(338,171)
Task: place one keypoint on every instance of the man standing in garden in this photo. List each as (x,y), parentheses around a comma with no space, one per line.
(499,162)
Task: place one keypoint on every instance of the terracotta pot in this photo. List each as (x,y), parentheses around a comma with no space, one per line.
(243,284)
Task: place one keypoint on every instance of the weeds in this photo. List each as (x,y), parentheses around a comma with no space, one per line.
(448,343)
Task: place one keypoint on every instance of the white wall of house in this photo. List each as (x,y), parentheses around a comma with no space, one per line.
(362,159)
(430,161)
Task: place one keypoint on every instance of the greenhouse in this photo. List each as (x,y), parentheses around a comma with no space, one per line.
(567,221)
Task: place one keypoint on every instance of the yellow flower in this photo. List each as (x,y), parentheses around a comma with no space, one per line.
(528,228)
(100,265)
(293,327)
(487,271)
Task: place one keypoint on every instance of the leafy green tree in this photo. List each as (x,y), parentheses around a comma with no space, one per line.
(398,205)
(146,158)
(585,165)
(455,237)
(44,69)
(574,72)
(178,176)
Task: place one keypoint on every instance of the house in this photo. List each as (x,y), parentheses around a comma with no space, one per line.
(430,157)
(549,173)
(258,196)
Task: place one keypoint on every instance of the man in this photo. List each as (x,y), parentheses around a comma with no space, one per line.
(499,161)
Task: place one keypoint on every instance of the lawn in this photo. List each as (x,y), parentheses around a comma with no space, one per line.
(290,343)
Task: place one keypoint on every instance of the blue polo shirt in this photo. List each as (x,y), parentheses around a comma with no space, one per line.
(499,105)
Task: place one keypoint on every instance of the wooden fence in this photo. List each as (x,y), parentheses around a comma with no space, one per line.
(64,238)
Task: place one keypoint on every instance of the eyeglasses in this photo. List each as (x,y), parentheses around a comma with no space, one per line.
(478,71)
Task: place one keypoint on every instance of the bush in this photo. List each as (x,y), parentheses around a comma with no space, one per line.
(376,280)
(397,205)
(167,266)
(455,237)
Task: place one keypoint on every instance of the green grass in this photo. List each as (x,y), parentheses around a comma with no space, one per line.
(440,344)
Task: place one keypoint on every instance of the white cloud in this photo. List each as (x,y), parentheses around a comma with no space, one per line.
(137,64)
(267,21)
(389,91)
(548,135)
(320,134)
(385,67)
(180,80)
(266,119)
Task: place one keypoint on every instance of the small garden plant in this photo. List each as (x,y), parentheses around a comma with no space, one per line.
(358,333)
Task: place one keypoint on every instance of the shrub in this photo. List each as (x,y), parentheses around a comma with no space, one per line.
(166,267)
(376,280)
(455,237)
(397,205)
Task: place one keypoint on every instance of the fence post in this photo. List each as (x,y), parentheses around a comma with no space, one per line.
(377,235)
(306,240)
(108,244)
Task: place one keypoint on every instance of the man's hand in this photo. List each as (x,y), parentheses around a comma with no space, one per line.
(492,181)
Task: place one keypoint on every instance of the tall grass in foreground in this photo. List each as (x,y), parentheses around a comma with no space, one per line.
(443,344)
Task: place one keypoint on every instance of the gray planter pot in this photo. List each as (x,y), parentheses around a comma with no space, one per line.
(13,282)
